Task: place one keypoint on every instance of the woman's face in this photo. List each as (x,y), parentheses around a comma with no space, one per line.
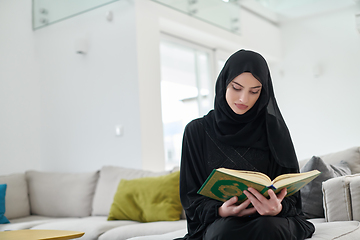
(243,92)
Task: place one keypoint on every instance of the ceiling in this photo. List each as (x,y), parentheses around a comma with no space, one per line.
(282,10)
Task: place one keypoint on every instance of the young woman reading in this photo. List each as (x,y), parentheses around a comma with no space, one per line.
(245,131)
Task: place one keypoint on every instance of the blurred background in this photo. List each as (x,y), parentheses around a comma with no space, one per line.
(85,84)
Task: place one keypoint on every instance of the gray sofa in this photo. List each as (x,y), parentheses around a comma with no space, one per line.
(81,202)
(75,202)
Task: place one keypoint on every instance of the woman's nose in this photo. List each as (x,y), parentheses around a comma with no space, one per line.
(244,97)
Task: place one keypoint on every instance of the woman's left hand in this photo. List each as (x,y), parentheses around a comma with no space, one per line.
(264,206)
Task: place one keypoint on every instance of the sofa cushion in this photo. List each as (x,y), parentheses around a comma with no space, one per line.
(341,230)
(93,226)
(336,199)
(16,199)
(109,179)
(148,199)
(61,194)
(312,198)
(178,234)
(29,222)
(3,219)
(323,231)
(145,229)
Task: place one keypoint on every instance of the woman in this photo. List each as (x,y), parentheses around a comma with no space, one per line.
(245,131)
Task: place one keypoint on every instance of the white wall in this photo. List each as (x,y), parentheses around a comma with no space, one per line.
(19,90)
(58,108)
(85,96)
(322,112)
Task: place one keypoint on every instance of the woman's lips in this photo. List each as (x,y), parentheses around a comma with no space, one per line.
(241,106)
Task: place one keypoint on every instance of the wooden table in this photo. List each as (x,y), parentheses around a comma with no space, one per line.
(34,234)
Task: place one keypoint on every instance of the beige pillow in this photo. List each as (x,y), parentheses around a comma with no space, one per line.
(16,198)
(55,194)
(336,199)
(341,198)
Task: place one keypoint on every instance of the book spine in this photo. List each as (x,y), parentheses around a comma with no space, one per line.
(212,173)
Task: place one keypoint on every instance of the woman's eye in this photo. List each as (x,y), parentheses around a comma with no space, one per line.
(234,87)
(255,92)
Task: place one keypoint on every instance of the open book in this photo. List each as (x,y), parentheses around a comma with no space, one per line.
(223,184)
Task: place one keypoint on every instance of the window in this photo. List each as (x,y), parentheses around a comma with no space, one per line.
(186,91)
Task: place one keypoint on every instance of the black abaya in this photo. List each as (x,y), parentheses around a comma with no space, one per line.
(257,140)
(201,154)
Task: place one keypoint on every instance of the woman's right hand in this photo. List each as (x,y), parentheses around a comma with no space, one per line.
(230,208)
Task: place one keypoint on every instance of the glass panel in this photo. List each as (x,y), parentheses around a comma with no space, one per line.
(46,12)
(203,76)
(222,13)
(184,71)
(220,64)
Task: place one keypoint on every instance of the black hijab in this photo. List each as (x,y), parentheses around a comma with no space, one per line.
(262,126)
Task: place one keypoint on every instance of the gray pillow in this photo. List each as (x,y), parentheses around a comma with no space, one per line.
(16,199)
(55,194)
(311,194)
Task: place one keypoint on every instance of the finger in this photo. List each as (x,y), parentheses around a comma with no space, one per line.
(249,195)
(272,194)
(282,194)
(242,206)
(231,201)
(255,202)
(258,195)
(242,209)
(247,212)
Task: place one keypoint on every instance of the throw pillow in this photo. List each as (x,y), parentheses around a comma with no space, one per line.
(17,194)
(147,199)
(108,182)
(311,194)
(337,198)
(56,194)
(3,219)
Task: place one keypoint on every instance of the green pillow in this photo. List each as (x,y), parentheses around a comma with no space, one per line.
(147,199)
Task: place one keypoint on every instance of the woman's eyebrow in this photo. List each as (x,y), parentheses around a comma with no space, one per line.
(244,87)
